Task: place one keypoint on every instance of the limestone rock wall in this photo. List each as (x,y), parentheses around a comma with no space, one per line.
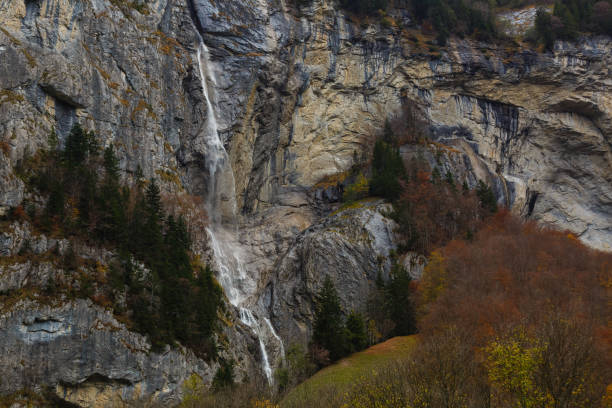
(300,95)
(87,356)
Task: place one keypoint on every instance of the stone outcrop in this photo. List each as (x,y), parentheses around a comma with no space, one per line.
(87,356)
(79,350)
(352,247)
(298,93)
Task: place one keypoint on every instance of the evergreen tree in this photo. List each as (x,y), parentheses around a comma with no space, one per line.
(450,179)
(357,333)
(112,201)
(435,176)
(224,377)
(486,197)
(363,6)
(152,227)
(53,141)
(329,331)
(544,29)
(87,196)
(388,169)
(57,201)
(165,300)
(77,147)
(153,202)
(111,164)
(388,134)
(400,307)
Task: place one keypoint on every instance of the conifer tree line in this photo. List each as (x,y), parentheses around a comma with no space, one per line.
(177,299)
(570,18)
(336,336)
(478,19)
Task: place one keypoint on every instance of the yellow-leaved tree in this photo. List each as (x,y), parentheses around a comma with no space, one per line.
(512,363)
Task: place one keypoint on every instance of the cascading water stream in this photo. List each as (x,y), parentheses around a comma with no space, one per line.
(232,274)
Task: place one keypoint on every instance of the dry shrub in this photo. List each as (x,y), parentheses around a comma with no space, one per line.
(255,394)
(5,147)
(18,213)
(430,211)
(441,372)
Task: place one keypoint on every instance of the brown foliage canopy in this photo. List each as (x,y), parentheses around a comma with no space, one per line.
(431,211)
(516,277)
(515,272)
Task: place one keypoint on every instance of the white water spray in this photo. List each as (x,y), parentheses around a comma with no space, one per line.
(221,201)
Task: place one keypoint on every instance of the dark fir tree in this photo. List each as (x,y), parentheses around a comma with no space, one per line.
(387,167)
(401,311)
(329,331)
(356,331)
(486,197)
(112,201)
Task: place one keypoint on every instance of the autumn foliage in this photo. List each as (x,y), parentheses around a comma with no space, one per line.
(431,211)
(536,305)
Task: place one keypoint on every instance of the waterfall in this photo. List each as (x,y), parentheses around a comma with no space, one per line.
(221,184)
(240,288)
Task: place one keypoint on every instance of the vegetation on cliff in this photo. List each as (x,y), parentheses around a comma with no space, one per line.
(153,283)
(479,19)
(570,18)
(430,208)
(334,336)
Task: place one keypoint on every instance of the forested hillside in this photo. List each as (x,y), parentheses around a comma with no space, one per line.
(83,199)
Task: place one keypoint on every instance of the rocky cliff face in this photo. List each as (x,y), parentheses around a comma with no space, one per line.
(298,92)
(87,357)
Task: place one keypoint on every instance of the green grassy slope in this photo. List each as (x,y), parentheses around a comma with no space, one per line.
(332,383)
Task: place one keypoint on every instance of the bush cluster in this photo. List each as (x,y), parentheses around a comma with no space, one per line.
(429,207)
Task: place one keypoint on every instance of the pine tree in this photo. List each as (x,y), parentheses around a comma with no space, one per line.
(111,164)
(357,333)
(543,28)
(450,179)
(53,141)
(329,331)
(387,170)
(224,377)
(77,147)
(87,196)
(112,202)
(388,134)
(486,196)
(153,202)
(435,176)
(57,200)
(400,306)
